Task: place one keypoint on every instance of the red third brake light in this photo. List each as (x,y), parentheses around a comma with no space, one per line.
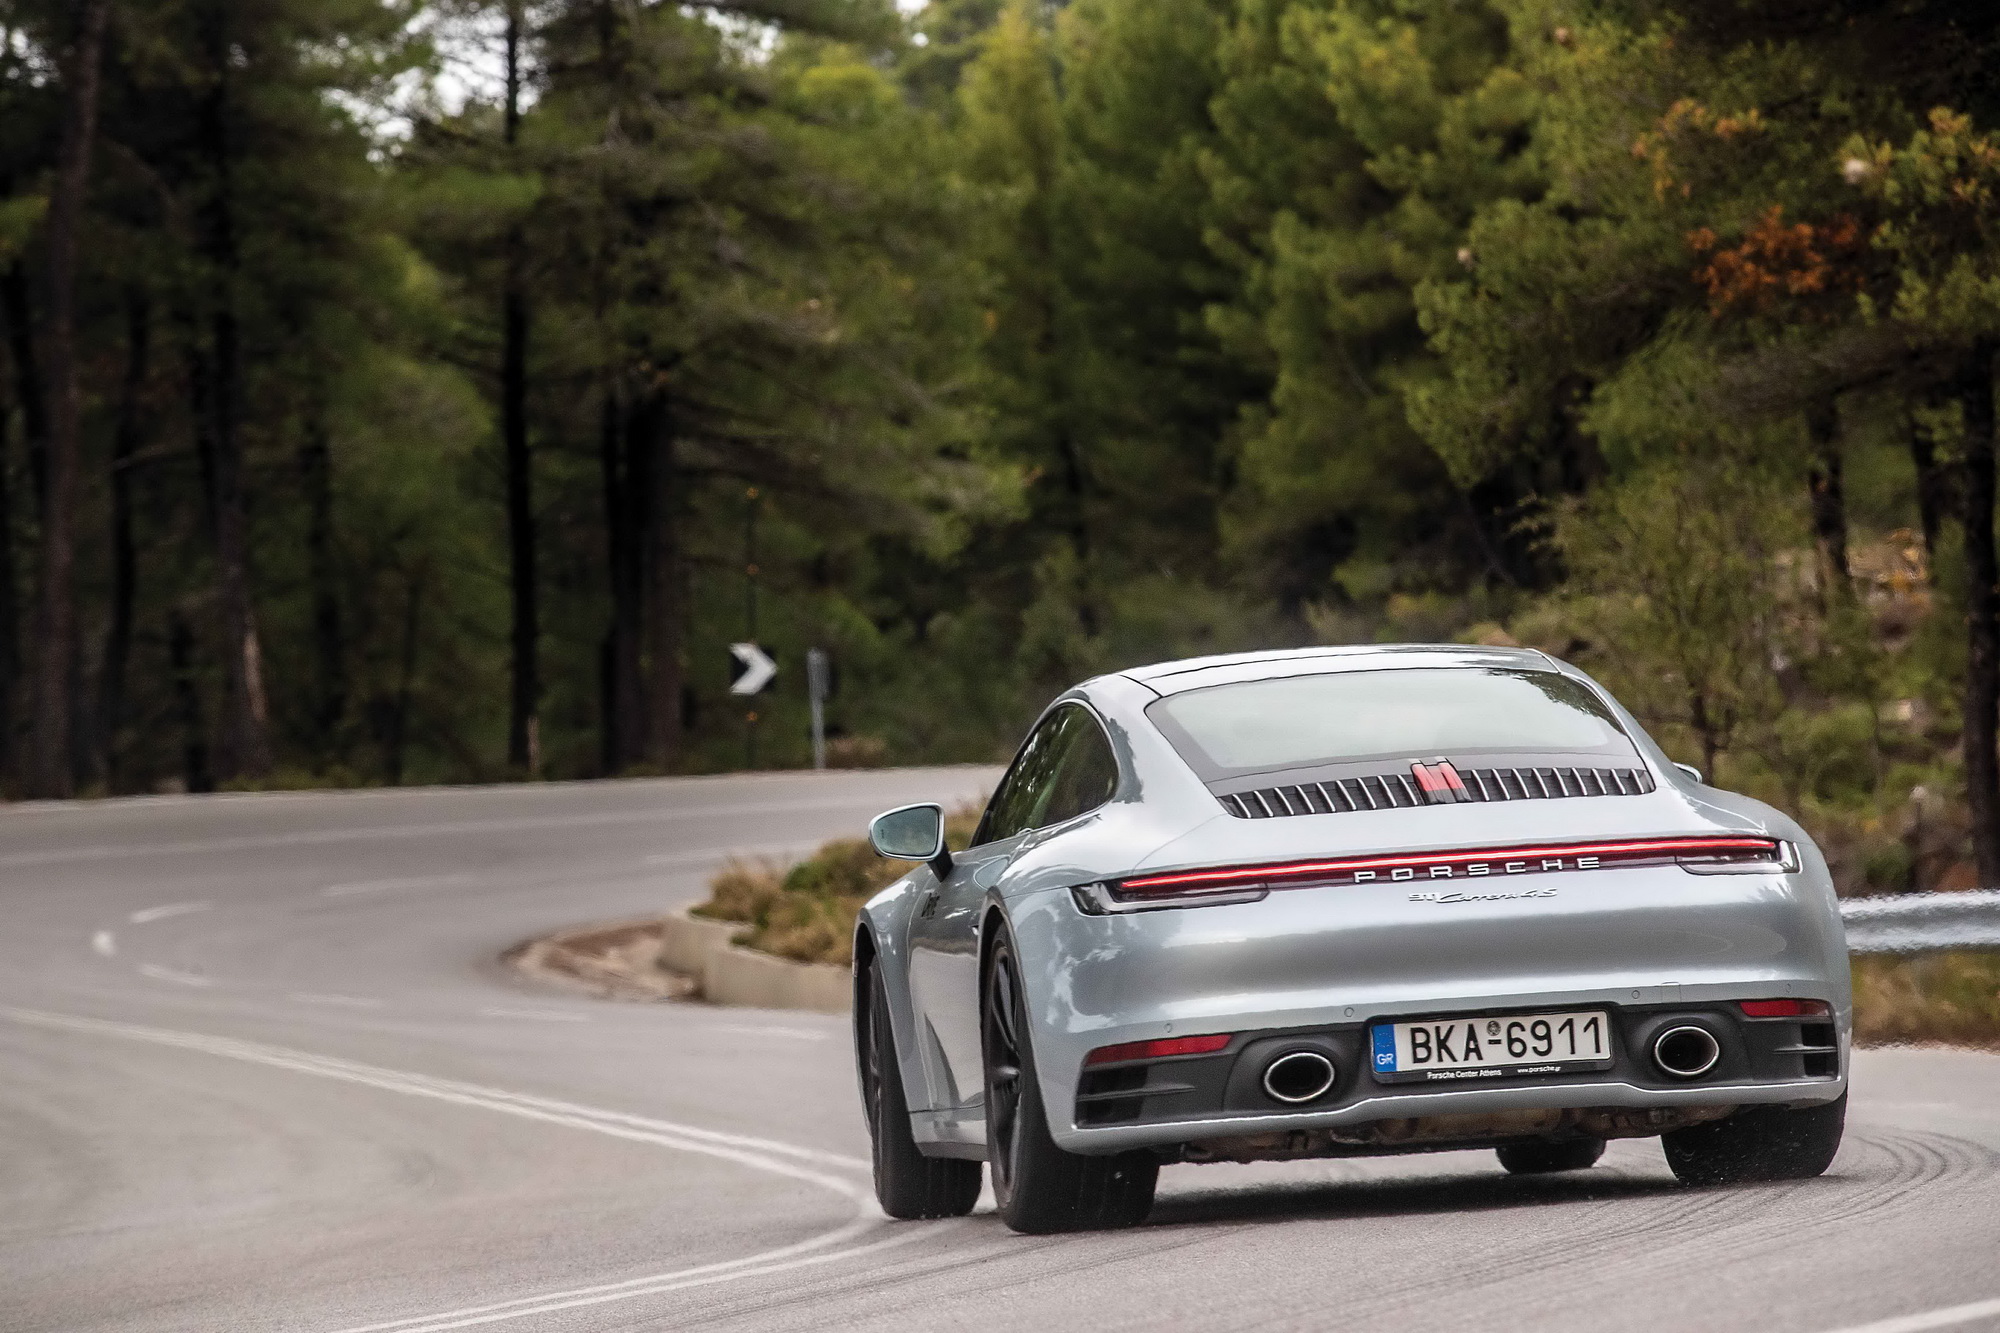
(1153,1050)
(1785,1008)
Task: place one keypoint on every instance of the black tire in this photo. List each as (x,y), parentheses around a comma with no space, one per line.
(1538,1159)
(907,1184)
(1768,1143)
(1040,1188)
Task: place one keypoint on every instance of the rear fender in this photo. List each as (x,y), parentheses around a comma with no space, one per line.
(881,935)
(1032,924)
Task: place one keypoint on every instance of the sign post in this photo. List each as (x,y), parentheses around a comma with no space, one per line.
(819,679)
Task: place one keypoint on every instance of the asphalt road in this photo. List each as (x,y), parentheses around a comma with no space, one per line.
(260,1070)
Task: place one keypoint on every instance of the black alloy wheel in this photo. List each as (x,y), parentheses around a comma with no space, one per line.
(907,1184)
(1000,1042)
(1038,1186)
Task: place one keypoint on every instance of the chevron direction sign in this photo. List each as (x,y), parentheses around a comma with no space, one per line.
(750,669)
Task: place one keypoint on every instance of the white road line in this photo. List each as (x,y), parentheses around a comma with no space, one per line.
(327,997)
(391,885)
(769,1155)
(384,832)
(782,855)
(799,1034)
(540,1015)
(1917,1323)
(686,858)
(619,1124)
(158,973)
(104,943)
(730,1271)
(140,918)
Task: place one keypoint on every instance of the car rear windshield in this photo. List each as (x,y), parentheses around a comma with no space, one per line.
(1300,721)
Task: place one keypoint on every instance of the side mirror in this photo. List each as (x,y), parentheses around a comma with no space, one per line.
(1691,771)
(912,833)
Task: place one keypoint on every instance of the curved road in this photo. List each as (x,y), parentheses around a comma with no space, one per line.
(259,1070)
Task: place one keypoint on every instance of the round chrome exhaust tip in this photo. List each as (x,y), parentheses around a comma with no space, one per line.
(1299,1076)
(1686,1051)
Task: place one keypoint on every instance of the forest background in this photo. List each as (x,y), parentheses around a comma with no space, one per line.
(431,390)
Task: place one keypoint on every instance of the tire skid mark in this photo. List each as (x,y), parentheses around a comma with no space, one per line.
(1913,1161)
(967,1272)
(1564,1238)
(1924,1160)
(870,1285)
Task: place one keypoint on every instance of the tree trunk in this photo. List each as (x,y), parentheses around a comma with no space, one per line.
(1982,606)
(330,692)
(19,311)
(663,596)
(1933,482)
(1829,501)
(48,770)
(625,730)
(10,611)
(523,726)
(1077,483)
(399,720)
(244,734)
(124,547)
(196,775)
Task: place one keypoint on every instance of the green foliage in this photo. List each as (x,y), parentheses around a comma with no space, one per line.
(1675,583)
(1030,340)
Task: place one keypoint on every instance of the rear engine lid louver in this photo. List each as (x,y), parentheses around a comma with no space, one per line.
(1434,784)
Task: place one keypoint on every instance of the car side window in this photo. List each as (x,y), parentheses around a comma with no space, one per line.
(1086,777)
(1013,804)
(1065,769)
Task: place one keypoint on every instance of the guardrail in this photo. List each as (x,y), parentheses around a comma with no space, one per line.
(1923,922)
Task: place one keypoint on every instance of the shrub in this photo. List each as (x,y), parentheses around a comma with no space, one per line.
(807,912)
(1945,997)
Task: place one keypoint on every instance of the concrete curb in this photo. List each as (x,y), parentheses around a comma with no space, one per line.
(618,961)
(686,942)
(726,973)
(681,956)
(758,980)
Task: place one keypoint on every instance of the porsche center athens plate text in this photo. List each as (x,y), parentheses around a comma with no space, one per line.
(1335,902)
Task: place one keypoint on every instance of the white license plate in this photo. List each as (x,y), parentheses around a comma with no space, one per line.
(1490,1046)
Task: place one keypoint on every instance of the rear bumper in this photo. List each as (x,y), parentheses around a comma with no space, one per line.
(1466,1102)
(1220,1096)
(1642,942)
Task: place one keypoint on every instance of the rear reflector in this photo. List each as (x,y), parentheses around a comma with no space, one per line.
(1785,1008)
(1153,1050)
(1494,862)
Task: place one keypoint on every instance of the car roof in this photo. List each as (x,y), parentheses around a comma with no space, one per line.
(1200,672)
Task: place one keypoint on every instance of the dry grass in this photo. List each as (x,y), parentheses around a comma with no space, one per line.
(807,912)
(1953,998)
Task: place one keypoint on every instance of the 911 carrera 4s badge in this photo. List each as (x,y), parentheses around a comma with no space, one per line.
(1480,897)
(1486,1046)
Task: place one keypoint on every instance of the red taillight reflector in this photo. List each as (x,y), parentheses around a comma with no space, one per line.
(1785,1008)
(1496,862)
(1153,1050)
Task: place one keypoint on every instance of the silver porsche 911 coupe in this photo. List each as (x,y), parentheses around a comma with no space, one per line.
(1336,902)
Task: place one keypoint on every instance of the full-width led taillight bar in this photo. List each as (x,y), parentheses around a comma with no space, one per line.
(1154,1050)
(1694,853)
